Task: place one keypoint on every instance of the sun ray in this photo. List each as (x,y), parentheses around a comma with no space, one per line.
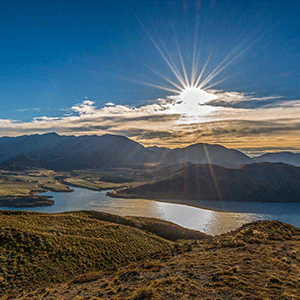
(181,60)
(207,80)
(199,52)
(205,88)
(194,70)
(220,68)
(169,56)
(175,72)
(180,88)
(155,85)
(203,70)
(212,171)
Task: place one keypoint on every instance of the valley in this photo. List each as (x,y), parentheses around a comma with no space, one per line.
(30,165)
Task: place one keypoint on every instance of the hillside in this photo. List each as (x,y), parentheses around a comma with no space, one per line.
(283,157)
(269,182)
(205,153)
(92,152)
(257,261)
(41,249)
(19,163)
(11,147)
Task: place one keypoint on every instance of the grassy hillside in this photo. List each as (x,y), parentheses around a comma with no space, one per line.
(260,260)
(38,249)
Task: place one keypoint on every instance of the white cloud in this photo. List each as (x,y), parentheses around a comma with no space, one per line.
(162,123)
(84,108)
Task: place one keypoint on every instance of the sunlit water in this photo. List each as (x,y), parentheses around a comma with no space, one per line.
(205,220)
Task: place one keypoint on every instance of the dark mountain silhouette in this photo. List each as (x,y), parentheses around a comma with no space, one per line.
(283,157)
(92,152)
(157,153)
(69,152)
(54,151)
(265,182)
(11,147)
(19,163)
(206,153)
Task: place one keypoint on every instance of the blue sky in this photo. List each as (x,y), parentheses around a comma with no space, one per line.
(57,54)
(54,54)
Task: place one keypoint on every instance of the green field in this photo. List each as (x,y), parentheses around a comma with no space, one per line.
(29,183)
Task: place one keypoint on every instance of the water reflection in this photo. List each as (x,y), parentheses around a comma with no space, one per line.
(205,220)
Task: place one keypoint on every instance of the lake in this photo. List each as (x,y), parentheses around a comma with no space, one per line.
(232,216)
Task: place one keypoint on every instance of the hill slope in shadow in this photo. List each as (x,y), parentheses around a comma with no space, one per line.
(263,182)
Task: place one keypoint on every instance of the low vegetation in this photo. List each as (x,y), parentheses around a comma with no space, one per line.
(41,249)
(21,189)
(91,184)
(260,260)
(28,183)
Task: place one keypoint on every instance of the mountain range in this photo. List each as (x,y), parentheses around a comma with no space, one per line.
(59,152)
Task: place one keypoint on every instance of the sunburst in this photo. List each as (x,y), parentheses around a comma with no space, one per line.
(192,89)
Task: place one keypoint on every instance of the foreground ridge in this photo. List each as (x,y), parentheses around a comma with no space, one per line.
(260,260)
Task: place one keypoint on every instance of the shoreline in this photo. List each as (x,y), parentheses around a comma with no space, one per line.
(213,205)
(207,204)
(26,201)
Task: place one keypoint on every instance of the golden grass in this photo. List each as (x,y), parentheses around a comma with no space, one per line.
(90,183)
(39,249)
(258,261)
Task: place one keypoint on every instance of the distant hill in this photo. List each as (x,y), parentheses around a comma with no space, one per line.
(59,152)
(283,157)
(69,152)
(19,163)
(262,182)
(92,152)
(11,147)
(206,153)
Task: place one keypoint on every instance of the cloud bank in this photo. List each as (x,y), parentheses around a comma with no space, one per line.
(234,119)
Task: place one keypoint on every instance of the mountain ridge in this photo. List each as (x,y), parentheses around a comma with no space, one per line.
(260,182)
(92,151)
(62,152)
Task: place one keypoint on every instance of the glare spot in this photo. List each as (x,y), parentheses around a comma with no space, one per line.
(193,96)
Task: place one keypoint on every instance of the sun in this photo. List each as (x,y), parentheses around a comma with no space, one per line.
(192,103)
(194,96)
(190,81)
